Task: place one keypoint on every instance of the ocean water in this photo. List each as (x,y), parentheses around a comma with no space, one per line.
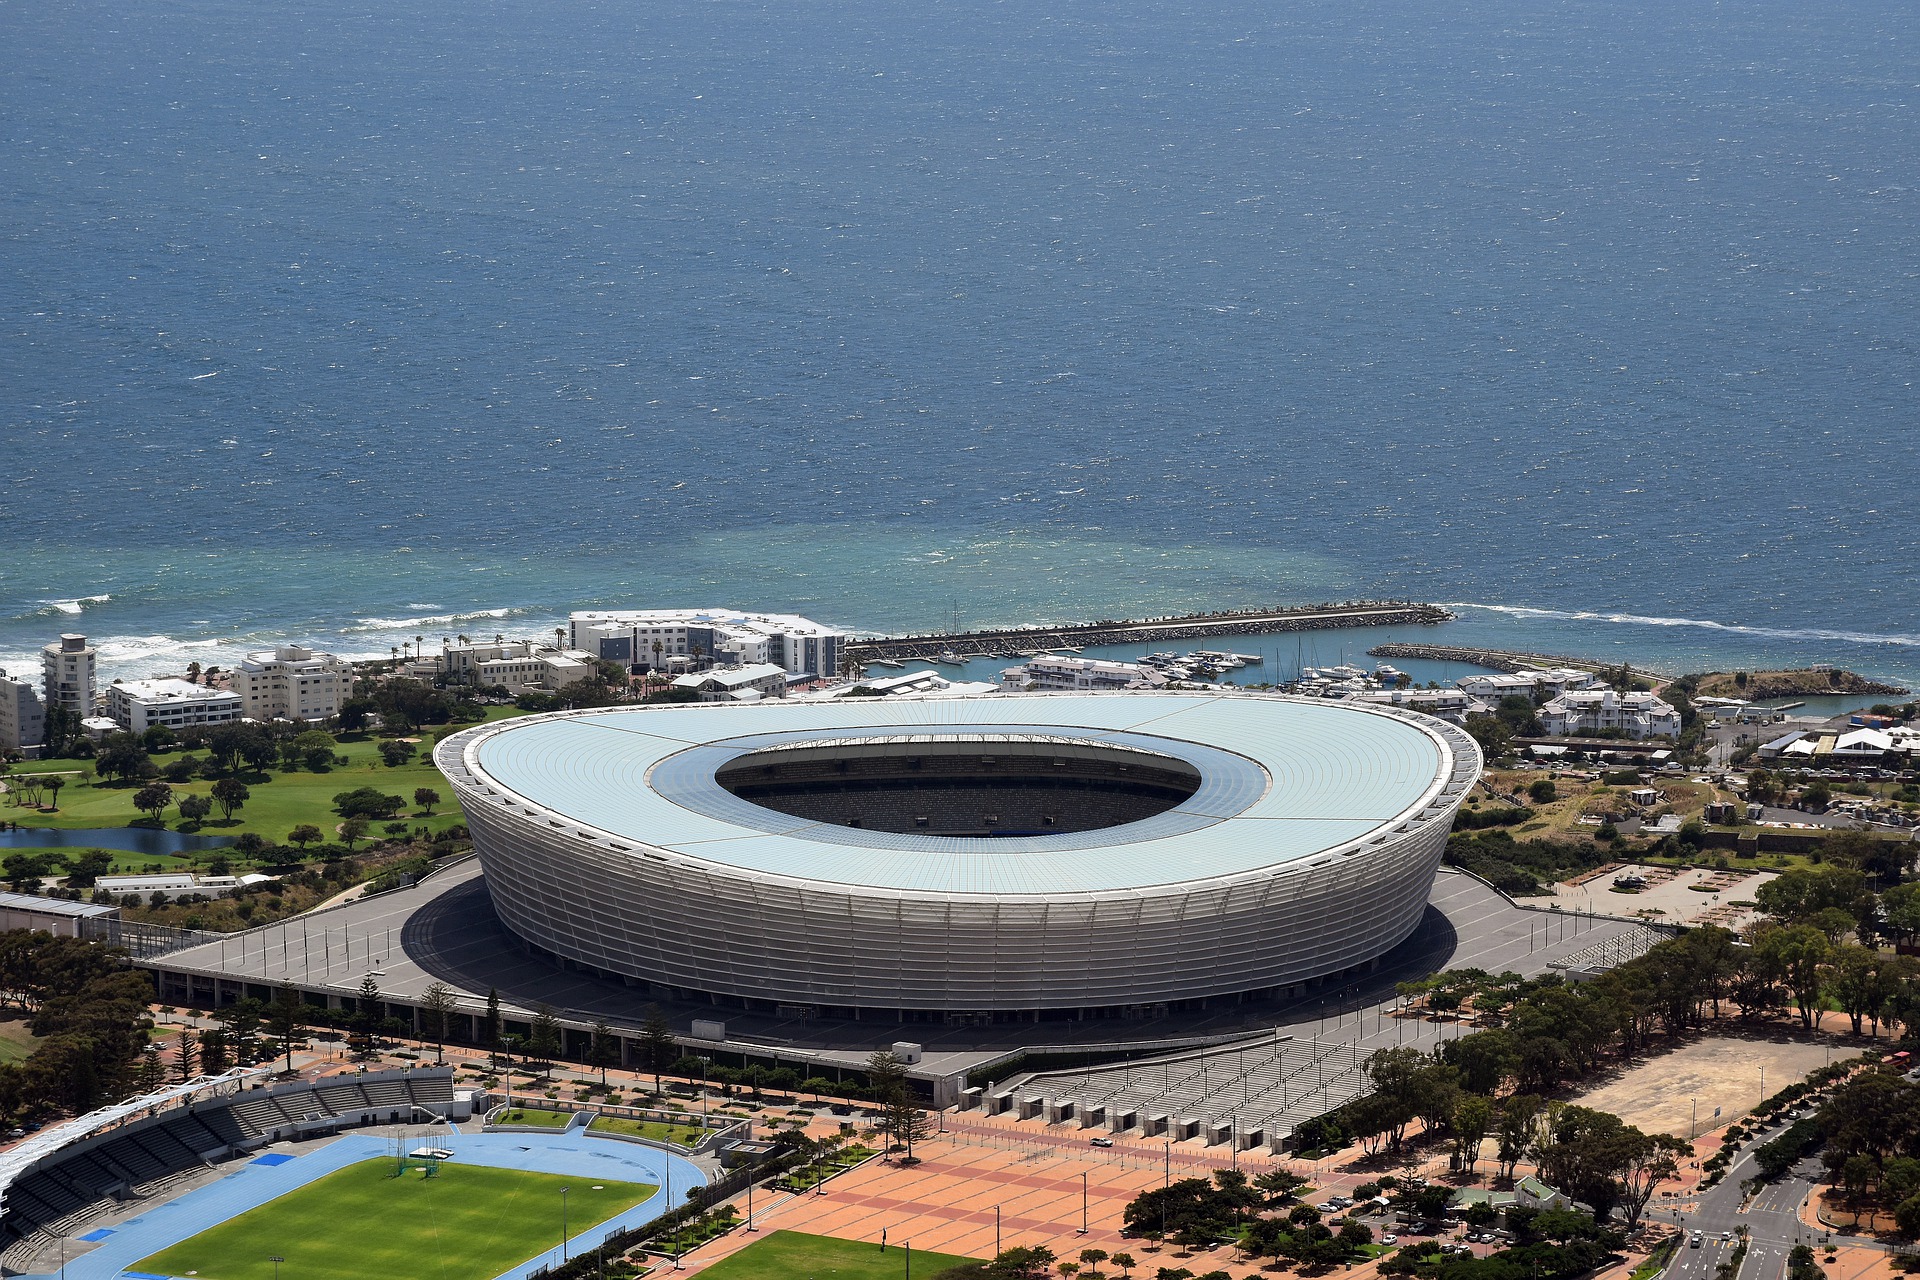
(344,324)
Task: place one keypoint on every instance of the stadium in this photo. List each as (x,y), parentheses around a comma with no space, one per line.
(985,860)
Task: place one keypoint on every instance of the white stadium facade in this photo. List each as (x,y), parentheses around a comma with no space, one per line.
(992,859)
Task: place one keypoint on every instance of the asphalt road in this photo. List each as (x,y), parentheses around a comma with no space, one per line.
(1772,1220)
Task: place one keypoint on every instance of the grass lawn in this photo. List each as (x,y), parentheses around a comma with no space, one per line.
(16,1042)
(467,1223)
(789,1255)
(280,800)
(535,1116)
(650,1129)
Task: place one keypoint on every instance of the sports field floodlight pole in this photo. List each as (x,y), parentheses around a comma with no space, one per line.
(276,1260)
(563,1225)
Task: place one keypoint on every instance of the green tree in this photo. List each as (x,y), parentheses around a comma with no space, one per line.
(368,1013)
(286,1019)
(490,1023)
(544,1044)
(83,869)
(305,834)
(424,798)
(656,1042)
(368,802)
(231,795)
(1493,736)
(437,1008)
(395,752)
(153,799)
(1472,1121)
(195,808)
(603,1050)
(1024,1262)
(352,831)
(53,784)
(315,749)
(1799,954)
(1543,791)
(186,1056)
(121,755)
(241,1022)
(215,1054)
(153,1071)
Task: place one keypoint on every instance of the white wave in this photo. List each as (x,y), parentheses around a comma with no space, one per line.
(426,620)
(1705,624)
(71,608)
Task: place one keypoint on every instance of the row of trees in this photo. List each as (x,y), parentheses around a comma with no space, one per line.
(90,1006)
(1593,1156)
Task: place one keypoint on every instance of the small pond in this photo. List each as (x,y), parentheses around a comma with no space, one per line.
(126,839)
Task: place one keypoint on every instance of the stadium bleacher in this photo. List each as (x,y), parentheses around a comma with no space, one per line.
(98,1171)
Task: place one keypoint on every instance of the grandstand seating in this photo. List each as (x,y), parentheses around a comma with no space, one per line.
(100,1170)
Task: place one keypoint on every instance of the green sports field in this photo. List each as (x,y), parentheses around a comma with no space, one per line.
(361,1223)
(789,1255)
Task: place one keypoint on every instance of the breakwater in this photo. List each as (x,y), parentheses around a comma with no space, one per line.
(1237,622)
(1508,660)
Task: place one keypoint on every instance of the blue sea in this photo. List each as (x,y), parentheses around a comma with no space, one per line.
(342,324)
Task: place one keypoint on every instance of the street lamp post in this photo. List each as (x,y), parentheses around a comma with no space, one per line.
(563,1224)
(1083,1202)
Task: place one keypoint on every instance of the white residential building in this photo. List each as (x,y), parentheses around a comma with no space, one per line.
(1547,682)
(67,670)
(737,684)
(926,680)
(1453,705)
(518,666)
(23,720)
(726,637)
(1050,671)
(292,683)
(177,883)
(138,705)
(1637,714)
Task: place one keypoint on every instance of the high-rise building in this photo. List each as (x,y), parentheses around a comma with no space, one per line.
(23,719)
(722,637)
(293,683)
(67,679)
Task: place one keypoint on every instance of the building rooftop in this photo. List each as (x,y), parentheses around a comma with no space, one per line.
(53,906)
(1304,780)
(170,690)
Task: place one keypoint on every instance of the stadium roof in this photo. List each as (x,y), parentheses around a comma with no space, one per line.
(1284,781)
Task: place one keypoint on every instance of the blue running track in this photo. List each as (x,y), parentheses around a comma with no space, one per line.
(570,1154)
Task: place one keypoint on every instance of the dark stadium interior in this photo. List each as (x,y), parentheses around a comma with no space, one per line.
(961,789)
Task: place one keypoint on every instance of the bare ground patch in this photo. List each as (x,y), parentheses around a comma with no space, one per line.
(1661,1094)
